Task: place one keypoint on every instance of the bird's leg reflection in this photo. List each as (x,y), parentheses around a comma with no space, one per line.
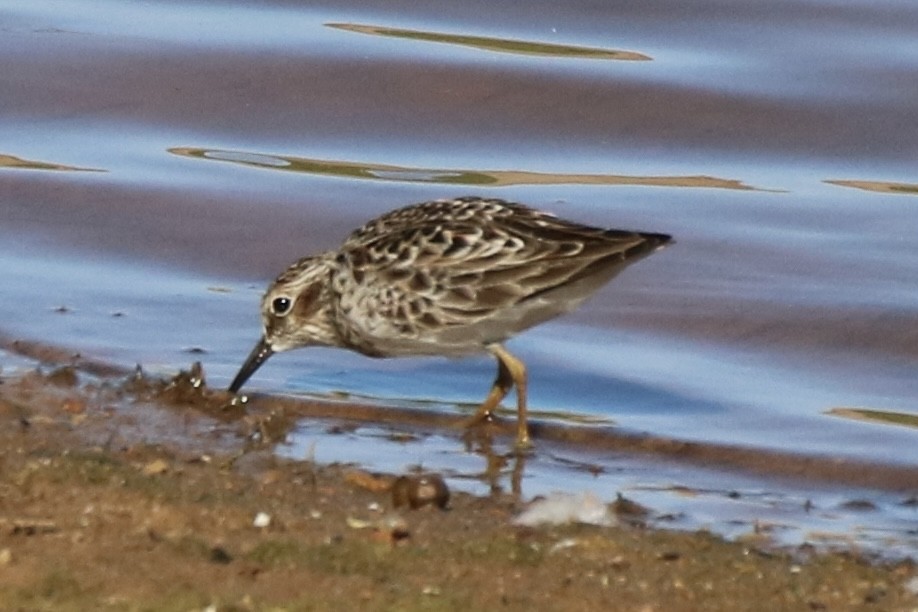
(496,464)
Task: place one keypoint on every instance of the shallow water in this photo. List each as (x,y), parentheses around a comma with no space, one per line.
(161,161)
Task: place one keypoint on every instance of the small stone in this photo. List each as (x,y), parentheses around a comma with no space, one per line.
(562,544)
(371,482)
(271,477)
(262,520)
(65,376)
(74,405)
(418,491)
(219,556)
(356,523)
(395,527)
(157,466)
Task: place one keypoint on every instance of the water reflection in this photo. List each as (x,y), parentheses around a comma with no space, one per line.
(11,161)
(494,178)
(879,186)
(499,466)
(735,504)
(498,45)
(871,415)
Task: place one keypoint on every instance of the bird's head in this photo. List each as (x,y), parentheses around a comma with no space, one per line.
(295,313)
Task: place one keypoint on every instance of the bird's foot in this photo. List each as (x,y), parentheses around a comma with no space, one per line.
(523,445)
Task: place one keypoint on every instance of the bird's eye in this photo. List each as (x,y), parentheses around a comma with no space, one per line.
(280,305)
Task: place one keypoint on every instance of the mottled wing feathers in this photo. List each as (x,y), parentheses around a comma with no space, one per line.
(436,212)
(457,262)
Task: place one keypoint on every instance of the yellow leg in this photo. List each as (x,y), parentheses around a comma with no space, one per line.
(514,369)
(502,385)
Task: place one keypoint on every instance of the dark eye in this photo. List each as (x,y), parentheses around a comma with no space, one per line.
(280,305)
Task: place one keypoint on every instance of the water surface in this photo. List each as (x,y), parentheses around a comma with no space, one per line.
(161,161)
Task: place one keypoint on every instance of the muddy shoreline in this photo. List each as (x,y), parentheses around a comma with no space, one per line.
(762,462)
(123,490)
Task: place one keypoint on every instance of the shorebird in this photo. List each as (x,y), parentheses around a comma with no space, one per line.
(446,277)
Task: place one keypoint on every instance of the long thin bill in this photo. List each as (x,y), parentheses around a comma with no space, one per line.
(258,356)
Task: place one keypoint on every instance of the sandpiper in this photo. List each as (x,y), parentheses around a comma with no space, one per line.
(446,277)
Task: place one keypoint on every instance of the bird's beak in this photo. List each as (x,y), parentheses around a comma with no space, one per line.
(258,356)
